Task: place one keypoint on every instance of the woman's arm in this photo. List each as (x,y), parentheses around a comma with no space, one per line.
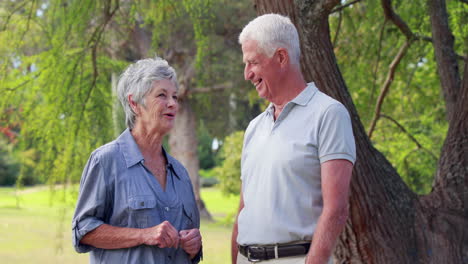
(106,236)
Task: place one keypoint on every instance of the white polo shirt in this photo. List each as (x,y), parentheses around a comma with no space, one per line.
(280,167)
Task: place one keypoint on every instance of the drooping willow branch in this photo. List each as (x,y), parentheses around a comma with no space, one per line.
(411,137)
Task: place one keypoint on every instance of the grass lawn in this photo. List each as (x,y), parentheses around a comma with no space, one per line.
(39,231)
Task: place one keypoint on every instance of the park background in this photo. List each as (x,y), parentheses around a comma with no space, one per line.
(60,60)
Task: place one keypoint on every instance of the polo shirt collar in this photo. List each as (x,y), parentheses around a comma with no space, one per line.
(302,98)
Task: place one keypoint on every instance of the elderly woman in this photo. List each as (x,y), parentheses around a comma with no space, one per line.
(136,203)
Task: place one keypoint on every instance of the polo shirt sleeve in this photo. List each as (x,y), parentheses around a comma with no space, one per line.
(336,139)
(91,205)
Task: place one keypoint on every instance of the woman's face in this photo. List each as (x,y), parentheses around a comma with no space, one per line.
(160,109)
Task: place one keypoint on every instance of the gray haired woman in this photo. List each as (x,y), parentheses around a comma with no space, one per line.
(136,203)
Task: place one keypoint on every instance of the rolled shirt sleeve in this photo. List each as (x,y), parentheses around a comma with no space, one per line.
(91,205)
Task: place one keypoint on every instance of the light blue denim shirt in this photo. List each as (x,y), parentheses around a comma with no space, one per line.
(117,189)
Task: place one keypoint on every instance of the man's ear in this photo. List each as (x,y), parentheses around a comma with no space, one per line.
(283,56)
(133,104)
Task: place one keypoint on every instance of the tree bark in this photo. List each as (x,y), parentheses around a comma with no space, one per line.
(388,223)
(447,65)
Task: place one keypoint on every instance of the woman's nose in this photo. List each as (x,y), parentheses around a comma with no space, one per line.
(173,102)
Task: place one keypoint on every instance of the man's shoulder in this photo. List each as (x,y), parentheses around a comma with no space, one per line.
(323,104)
(254,122)
(324,101)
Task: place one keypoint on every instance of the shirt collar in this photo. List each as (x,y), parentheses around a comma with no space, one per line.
(129,148)
(132,153)
(172,164)
(302,98)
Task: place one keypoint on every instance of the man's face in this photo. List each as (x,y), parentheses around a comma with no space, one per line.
(263,72)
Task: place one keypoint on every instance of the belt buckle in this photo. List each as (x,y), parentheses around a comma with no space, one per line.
(249,258)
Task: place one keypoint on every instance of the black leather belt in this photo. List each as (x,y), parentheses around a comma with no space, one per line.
(259,253)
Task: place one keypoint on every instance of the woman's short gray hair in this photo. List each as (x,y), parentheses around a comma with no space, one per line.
(137,80)
(273,31)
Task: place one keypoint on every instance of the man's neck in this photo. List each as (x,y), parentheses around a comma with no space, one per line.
(291,88)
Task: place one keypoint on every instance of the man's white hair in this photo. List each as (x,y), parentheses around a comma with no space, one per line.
(273,31)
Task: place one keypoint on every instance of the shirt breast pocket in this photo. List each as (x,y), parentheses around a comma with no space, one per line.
(188,217)
(143,211)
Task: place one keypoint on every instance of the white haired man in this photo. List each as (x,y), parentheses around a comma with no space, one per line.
(297,158)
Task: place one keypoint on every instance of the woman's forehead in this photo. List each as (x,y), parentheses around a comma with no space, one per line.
(164,84)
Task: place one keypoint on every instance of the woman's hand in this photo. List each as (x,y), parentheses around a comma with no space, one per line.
(190,241)
(163,235)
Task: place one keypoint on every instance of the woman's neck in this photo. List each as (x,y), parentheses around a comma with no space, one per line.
(150,144)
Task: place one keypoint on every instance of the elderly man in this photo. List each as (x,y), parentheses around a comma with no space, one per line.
(297,158)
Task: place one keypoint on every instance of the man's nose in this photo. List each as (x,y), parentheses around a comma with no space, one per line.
(248,74)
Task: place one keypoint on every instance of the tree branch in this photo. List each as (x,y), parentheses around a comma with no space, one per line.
(338,28)
(400,23)
(215,88)
(386,86)
(339,8)
(446,58)
(411,137)
(9,89)
(376,68)
(396,19)
(108,14)
(15,9)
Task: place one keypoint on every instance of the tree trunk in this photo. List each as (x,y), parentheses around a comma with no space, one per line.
(388,223)
(183,146)
(447,65)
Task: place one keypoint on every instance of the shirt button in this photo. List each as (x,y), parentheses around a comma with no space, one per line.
(167,209)
(142,204)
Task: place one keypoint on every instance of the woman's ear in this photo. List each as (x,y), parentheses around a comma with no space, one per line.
(133,104)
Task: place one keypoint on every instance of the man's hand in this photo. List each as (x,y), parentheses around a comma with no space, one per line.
(163,235)
(190,241)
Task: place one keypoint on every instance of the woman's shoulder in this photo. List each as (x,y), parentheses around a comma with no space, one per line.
(105,152)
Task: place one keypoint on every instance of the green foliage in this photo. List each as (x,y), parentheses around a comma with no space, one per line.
(9,168)
(60,80)
(458,23)
(229,172)
(57,59)
(365,46)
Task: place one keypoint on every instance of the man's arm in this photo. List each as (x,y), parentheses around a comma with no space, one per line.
(111,237)
(234,249)
(336,176)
